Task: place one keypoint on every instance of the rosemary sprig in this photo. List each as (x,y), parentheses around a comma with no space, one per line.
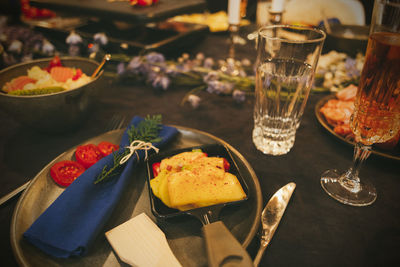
(114,170)
(147,130)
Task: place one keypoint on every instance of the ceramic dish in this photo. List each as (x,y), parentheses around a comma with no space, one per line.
(215,150)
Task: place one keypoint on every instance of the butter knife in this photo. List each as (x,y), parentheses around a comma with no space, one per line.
(271,216)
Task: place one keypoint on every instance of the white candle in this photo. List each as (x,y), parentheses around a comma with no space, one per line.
(234,12)
(277,5)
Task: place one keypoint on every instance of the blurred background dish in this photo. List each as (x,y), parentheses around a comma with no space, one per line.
(350,39)
(51,113)
(312,12)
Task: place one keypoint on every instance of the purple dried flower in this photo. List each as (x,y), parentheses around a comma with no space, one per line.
(239,96)
(208,63)
(73,39)
(219,87)
(15,47)
(165,81)
(155,57)
(48,48)
(231,67)
(194,100)
(171,70)
(137,66)
(159,81)
(100,38)
(185,67)
(351,67)
(211,76)
(121,68)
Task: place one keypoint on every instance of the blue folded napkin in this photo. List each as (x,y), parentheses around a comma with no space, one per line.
(74,219)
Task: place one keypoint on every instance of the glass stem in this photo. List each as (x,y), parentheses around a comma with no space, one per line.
(351,180)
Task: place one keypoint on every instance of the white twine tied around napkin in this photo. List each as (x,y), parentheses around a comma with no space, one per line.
(135,146)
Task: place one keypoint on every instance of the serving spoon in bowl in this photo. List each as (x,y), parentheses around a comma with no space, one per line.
(106,57)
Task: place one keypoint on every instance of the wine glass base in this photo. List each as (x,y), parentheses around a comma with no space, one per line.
(337,187)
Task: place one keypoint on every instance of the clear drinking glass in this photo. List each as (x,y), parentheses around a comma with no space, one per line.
(286,60)
(376,116)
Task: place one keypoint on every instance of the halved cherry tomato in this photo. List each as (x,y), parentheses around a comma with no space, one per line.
(78,74)
(226,165)
(106,148)
(87,155)
(156,168)
(65,172)
(55,62)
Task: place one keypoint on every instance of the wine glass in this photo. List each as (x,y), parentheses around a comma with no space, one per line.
(376,116)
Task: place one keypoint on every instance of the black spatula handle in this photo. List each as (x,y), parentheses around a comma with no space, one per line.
(222,247)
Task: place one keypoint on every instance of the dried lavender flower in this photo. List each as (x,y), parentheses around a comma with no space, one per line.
(211,76)
(154,57)
(121,68)
(48,48)
(239,96)
(219,87)
(15,47)
(194,100)
(100,38)
(208,63)
(135,65)
(73,39)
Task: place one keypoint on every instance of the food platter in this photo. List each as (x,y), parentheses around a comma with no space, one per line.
(122,10)
(183,233)
(321,119)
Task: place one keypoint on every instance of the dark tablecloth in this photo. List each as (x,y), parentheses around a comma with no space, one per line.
(315,230)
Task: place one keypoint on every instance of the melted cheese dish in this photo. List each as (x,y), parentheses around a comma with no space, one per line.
(216,21)
(191,180)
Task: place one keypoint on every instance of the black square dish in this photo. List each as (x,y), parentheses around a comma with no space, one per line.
(159,209)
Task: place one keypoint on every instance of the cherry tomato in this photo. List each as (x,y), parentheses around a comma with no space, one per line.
(65,172)
(55,62)
(226,165)
(156,168)
(106,148)
(87,155)
(78,74)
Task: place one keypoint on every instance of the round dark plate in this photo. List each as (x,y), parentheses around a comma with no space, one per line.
(329,128)
(183,234)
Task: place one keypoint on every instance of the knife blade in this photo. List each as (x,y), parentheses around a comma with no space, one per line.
(271,216)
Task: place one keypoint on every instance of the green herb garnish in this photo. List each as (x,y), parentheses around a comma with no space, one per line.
(147,130)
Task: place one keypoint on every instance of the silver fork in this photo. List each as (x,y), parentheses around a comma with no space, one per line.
(116,122)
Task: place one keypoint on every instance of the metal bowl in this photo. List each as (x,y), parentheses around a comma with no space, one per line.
(51,113)
(350,39)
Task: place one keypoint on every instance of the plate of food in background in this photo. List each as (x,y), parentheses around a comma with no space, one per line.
(333,113)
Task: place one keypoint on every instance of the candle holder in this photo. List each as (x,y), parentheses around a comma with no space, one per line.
(275,17)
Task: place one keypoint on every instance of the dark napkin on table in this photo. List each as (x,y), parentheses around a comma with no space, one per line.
(68,226)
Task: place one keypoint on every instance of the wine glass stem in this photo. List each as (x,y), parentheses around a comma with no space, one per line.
(351,180)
